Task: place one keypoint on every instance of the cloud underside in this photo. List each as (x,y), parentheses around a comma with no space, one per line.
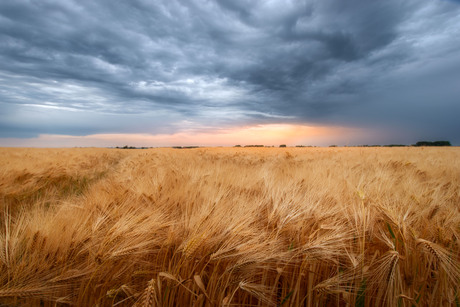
(163,68)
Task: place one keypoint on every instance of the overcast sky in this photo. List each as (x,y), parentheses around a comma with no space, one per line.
(378,71)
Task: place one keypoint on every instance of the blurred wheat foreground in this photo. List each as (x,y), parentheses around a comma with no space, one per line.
(230,227)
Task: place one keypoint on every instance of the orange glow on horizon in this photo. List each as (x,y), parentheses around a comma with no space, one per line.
(270,134)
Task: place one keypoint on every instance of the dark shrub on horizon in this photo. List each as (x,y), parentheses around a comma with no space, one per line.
(436,143)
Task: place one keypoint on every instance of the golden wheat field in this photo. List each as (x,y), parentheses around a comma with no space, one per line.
(230,227)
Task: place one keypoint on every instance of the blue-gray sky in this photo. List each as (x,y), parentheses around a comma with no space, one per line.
(82,68)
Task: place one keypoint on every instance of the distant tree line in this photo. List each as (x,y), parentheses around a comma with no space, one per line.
(418,144)
(131,147)
(436,143)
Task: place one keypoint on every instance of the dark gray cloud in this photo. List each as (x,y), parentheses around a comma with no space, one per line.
(85,67)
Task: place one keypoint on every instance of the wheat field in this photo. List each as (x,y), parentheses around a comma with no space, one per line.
(230,227)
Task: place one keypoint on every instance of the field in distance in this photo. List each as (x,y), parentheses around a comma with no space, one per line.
(230,227)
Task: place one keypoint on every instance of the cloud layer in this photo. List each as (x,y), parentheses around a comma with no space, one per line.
(162,67)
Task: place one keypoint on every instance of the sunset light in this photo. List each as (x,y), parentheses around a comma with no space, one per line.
(267,135)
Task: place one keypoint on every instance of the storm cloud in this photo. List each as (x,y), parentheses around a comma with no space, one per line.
(89,67)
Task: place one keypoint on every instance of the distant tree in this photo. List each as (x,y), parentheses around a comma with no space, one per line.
(332,145)
(283,145)
(237,146)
